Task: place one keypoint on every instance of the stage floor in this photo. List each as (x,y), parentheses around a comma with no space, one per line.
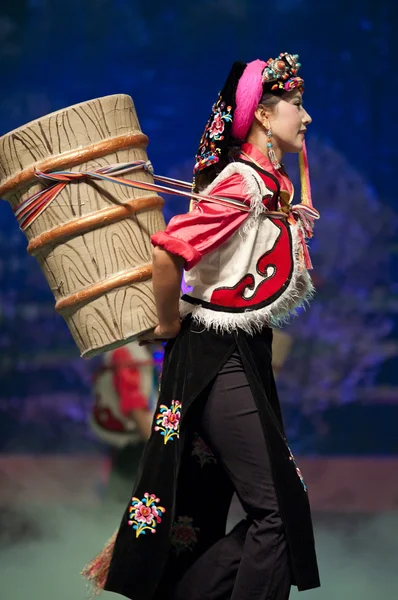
(52,520)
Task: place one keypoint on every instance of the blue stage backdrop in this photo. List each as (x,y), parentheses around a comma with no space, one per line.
(339,387)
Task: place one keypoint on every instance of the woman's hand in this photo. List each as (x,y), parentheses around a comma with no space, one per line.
(161,333)
(166,279)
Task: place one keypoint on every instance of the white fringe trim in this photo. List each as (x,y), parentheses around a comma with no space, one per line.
(297,294)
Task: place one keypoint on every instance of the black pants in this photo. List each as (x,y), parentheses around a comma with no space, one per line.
(252,561)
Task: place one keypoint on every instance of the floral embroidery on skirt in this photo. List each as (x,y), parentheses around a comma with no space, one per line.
(202,451)
(144,514)
(184,534)
(168,421)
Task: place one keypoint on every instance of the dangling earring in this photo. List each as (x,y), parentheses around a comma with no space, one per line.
(271,152)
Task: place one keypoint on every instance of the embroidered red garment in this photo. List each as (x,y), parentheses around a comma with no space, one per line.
(267,277)
(207,226)
(243,270)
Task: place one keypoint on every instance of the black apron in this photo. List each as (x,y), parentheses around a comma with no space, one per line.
(154,546)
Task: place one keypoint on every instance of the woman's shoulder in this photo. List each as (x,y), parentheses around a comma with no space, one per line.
(269,178)
(239,179)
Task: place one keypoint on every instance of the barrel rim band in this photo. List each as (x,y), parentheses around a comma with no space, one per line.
(94,220)
(73,158)
(95,290)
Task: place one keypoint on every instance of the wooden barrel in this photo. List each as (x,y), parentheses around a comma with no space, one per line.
(93,240)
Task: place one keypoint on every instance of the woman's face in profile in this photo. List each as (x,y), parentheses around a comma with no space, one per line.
(289,122)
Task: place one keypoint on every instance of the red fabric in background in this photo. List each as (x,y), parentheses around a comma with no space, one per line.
(127,381)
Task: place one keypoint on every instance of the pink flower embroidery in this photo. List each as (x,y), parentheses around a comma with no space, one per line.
(184,534)
(168,420)
(145,515)
(171,420)
(208,153)
(202,451)
(217,127)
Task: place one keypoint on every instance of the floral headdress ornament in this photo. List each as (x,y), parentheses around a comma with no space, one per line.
(283,71)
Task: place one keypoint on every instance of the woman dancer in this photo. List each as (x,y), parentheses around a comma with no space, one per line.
(218,427)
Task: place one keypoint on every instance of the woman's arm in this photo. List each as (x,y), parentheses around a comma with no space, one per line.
(187,238)
(167,276)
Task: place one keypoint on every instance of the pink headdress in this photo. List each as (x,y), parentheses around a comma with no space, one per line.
(248,96)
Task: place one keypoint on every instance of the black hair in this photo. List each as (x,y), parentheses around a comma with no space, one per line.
(232,151)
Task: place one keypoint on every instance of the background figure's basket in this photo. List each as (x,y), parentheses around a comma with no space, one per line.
(93,240)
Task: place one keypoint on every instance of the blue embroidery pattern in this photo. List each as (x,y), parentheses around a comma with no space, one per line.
(208,152)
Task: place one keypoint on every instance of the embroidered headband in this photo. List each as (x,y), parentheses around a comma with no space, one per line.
(217,133)
(233,113)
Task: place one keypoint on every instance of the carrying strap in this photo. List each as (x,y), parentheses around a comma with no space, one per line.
(29,209)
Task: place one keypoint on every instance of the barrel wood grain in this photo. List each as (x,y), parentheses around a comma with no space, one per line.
(75,262)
